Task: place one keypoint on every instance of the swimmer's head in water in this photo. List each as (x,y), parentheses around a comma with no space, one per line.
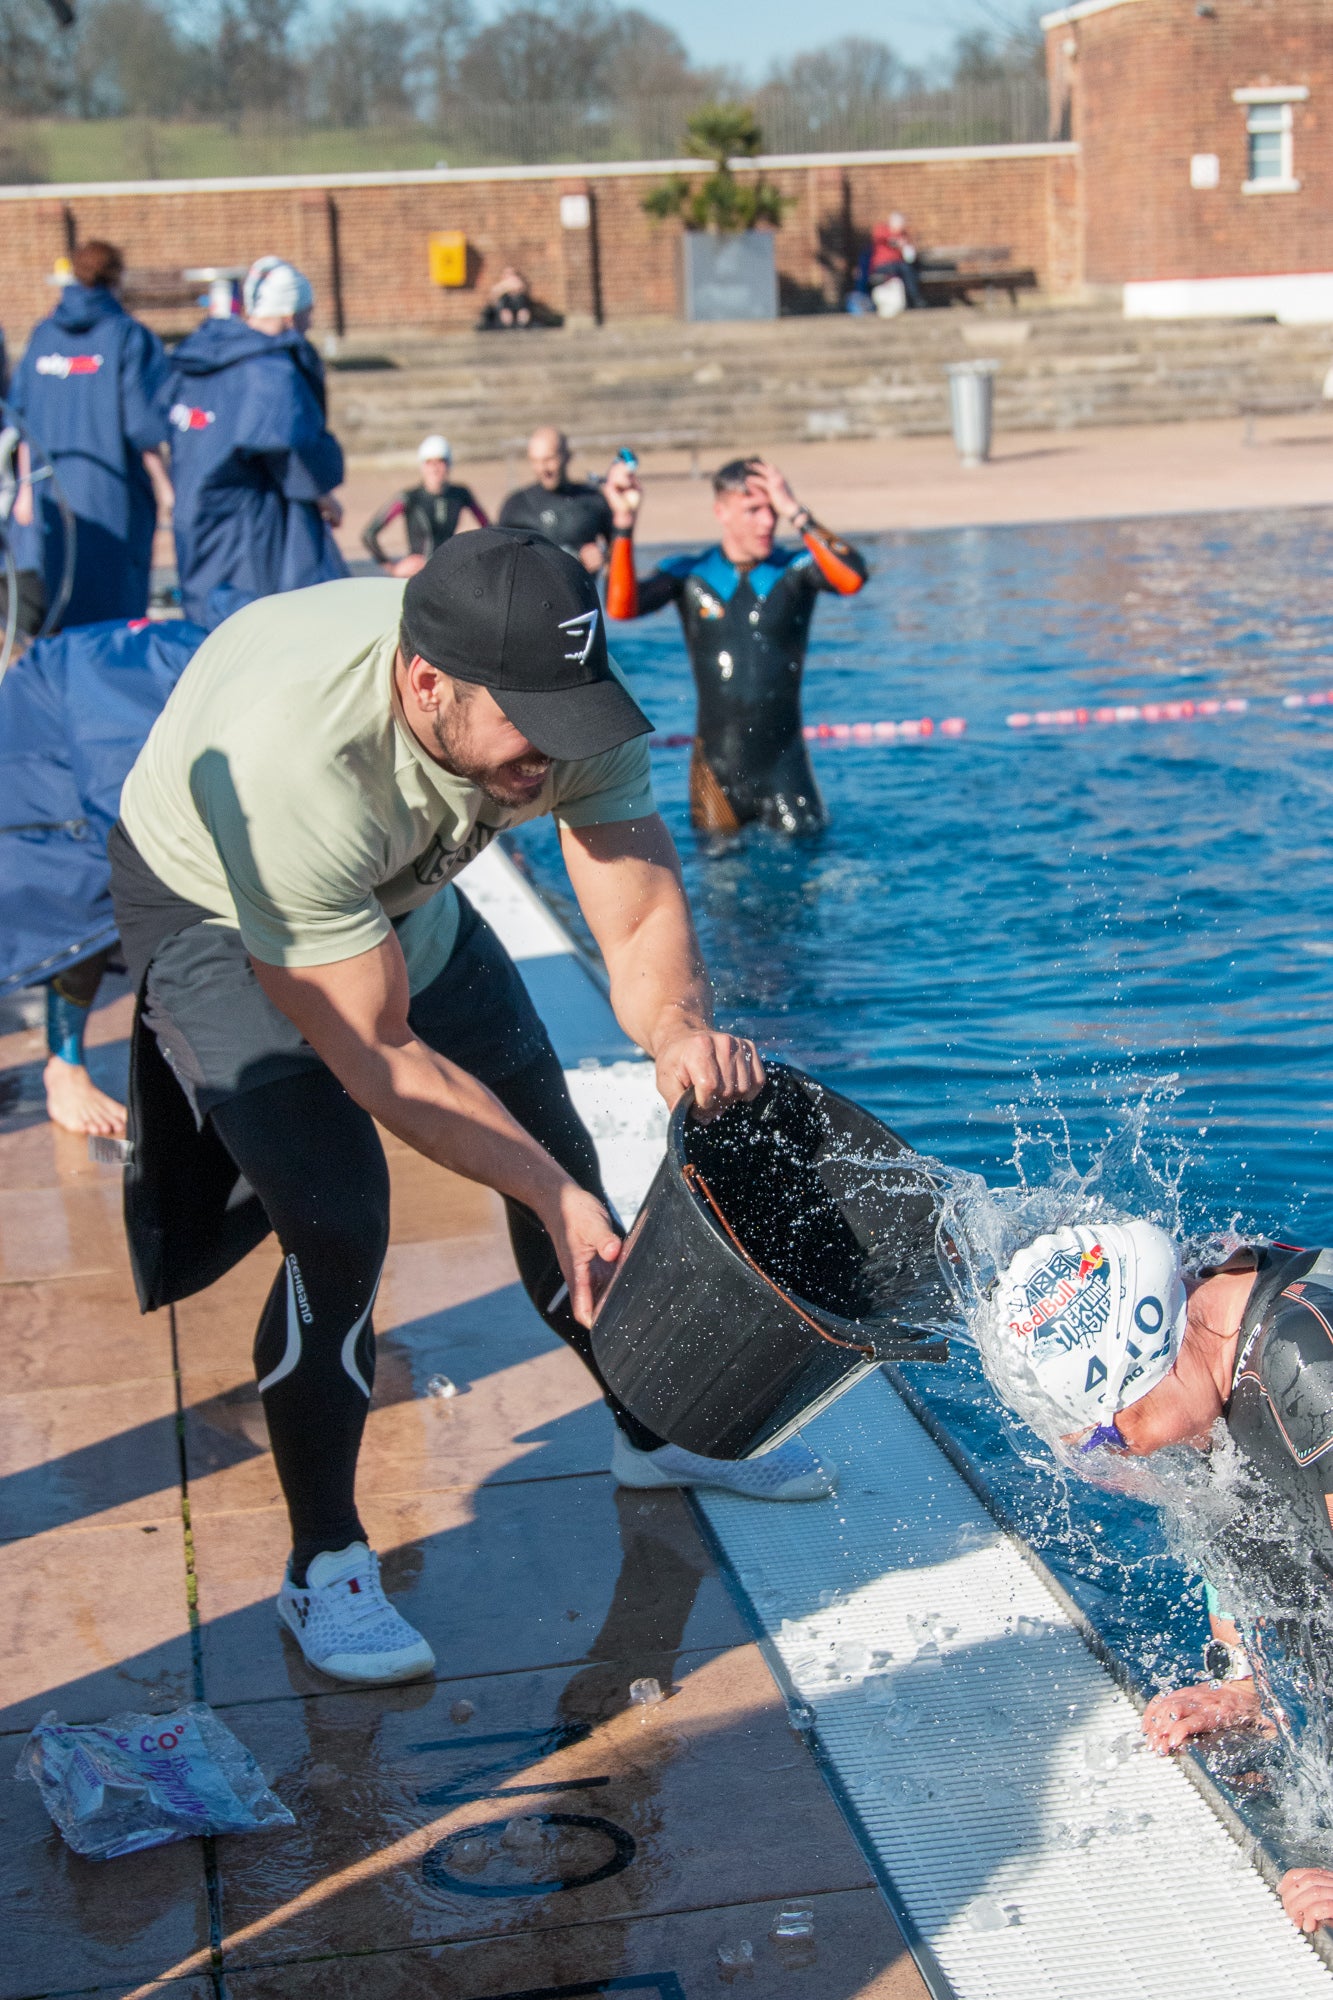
(1084,1322)
(744,510)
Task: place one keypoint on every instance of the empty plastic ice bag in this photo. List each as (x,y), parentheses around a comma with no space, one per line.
(139,1781)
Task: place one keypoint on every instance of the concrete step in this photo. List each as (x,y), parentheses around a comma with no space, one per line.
(814,377)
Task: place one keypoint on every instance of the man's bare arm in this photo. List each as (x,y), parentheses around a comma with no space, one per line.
(627,879)
(354,1015)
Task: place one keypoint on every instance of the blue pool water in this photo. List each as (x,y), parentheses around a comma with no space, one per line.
(1036,927)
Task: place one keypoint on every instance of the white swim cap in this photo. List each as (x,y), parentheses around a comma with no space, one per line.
(274,288)
(1086,1321)
(434,446)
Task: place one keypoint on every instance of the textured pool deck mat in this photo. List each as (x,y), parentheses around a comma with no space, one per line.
(1030,1844)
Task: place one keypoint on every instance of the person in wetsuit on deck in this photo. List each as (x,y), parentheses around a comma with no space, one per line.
(745,606)
(1103,1341)
(430,512)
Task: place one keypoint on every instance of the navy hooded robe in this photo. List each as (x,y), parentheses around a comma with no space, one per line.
(250,457)
(90,388)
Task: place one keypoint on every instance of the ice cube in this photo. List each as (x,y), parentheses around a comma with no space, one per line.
(735,1961)
(441,1388)
(645,1693)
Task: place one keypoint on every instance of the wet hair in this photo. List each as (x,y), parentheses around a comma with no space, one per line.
(98,264)
(735,475)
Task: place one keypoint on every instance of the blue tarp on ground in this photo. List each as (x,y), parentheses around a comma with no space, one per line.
(74,712)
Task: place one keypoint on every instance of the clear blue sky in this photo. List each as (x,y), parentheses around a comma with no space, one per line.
(750,34)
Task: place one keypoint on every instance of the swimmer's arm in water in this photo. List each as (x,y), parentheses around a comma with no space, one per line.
(626,876)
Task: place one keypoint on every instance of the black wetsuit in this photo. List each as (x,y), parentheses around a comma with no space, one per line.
(572,515)
(747,631)
(428,518)
(1280,1414)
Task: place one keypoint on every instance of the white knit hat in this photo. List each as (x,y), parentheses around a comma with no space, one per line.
(273,288)
(435,446)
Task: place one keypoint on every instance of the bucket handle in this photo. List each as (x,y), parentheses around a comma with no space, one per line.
(695,1181)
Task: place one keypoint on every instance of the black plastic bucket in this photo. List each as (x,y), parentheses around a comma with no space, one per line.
(776,1260)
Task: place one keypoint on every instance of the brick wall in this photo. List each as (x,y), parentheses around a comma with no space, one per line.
(627,264)
(1148,84)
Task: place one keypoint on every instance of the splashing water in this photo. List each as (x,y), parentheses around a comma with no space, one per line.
(1196,1500)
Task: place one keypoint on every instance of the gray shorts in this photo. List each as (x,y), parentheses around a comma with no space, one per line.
(222,1035)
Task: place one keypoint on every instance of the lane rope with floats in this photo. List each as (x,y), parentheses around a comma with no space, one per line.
(918,729)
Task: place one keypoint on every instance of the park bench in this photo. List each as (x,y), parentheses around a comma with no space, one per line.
(952,273)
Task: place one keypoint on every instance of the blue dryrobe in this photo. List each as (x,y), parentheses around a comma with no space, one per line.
(90,388)
(74,713)
(250,456)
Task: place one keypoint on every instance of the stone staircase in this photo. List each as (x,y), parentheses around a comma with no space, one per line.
(661,383)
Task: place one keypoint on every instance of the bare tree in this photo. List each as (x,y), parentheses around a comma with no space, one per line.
(357,71)
(33,72)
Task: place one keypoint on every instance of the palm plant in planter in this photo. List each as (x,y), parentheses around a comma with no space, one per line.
(730,268)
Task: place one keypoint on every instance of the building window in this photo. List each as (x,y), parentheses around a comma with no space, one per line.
(1269,122)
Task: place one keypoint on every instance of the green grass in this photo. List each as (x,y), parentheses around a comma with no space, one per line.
(128,149)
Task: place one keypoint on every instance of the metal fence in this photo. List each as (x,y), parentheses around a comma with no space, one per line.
(1008,110)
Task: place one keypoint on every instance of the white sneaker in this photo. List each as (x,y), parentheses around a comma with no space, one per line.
(346,1626)
(789,1472)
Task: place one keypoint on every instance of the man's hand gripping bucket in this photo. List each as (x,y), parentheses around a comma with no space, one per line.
(781,1254)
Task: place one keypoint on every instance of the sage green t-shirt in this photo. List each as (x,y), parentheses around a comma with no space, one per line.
(278,789)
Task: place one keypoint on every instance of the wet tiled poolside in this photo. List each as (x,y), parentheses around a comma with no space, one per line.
(664,1834)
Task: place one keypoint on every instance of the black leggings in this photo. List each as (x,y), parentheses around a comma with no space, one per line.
(315,1161)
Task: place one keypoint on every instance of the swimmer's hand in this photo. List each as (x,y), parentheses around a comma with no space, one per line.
(1171,1719)
(330,509)
(407,565)
(1307,1896)
(590,555)
(767,480)
(719,1069)
(624,494)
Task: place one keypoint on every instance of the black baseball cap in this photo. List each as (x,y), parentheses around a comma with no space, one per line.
(507,610)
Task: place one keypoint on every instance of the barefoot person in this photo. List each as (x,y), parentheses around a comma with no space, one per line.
(284,873)
(745,607)
(74,712)
(1098,1338)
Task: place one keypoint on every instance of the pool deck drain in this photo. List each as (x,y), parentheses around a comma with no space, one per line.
(995,1773)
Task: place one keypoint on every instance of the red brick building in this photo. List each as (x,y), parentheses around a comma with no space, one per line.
(1190,169)
(1205,142)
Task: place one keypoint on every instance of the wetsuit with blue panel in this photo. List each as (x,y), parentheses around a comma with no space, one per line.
(251,459)
(746,629)
(90,388)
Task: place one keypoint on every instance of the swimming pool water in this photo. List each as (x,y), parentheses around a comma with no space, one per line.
(1054,920)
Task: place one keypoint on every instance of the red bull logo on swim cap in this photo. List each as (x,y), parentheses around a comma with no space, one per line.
(1067,1299)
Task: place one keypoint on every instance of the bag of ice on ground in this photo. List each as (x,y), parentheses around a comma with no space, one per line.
(139,1781)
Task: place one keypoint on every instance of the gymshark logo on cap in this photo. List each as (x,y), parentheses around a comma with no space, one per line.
(583,626)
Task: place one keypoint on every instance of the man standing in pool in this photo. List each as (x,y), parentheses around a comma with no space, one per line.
(1097,1339)
(745,606)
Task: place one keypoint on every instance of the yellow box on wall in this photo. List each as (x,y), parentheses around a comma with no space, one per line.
(448,257)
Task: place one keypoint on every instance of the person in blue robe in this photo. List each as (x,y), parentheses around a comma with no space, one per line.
(253,461)
(90,388)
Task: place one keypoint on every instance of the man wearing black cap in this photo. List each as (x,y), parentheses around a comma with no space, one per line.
(282,871)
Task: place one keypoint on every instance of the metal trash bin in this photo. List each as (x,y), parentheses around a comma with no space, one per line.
(778,1258)
(971,407)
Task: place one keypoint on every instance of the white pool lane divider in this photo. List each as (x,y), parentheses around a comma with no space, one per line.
(1029,1845)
